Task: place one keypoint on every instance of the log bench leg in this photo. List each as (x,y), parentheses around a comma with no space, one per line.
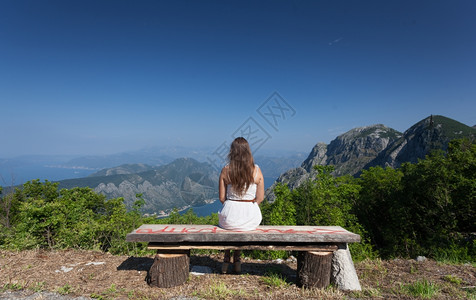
(314,268)
(169,269)
(343,273)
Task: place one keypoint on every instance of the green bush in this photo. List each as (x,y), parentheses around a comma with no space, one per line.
(76,218)
(322,201)
(426,208)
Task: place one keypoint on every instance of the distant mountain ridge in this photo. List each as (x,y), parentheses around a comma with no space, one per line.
(123,169)
(273,166)
(113,160)
(377,145)
(180,184)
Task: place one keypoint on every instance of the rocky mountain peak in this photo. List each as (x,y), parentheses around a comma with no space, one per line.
(316,157)
(350,151)
(431,133)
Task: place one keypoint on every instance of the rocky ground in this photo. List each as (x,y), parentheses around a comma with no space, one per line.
(73,274)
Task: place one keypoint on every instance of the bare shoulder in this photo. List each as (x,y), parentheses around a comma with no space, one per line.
(258,175)
(224,170)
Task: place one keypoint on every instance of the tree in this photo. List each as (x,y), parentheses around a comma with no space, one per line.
(71,218)
(377,205)
(326,200)
(423,208)
(8,208)
(282,211)
(322,201)
(462,160)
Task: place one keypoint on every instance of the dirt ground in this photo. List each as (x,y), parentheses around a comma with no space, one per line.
(74,273)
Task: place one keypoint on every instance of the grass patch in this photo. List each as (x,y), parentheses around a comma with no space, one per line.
(133,295)
(110,293)
(273,277)
(64,290)
(413,269)
(13,286)
(97,296)
(112,289)
(274,280)
(219,290)
(454,254)
(471,293)
(372,269)
(421,288)
(369,292)
(453,279)
(267,255)
(38,287)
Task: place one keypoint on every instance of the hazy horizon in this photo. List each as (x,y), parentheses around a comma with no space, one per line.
(188,150)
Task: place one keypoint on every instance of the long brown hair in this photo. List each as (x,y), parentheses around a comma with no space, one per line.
(241,166)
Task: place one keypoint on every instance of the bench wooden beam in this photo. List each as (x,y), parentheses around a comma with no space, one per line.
(155,246)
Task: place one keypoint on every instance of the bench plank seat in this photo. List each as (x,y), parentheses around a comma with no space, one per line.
(158,233)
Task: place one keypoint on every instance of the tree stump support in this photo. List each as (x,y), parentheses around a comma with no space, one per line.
(170,268)
(314,268)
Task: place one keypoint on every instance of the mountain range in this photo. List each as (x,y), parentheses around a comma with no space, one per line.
(186,182)
(183,183)
(180,184)
(377,145)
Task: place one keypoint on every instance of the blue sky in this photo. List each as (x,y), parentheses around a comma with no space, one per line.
(99,77)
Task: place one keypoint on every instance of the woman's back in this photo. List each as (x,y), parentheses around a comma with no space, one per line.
(250,192)
(241,190)
(240,210)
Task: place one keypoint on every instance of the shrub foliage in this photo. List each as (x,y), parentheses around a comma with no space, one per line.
(426,208)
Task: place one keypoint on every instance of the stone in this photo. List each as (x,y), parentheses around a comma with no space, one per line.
(278,261)
(201,270)
(420,258)
(291,259)
(343,274)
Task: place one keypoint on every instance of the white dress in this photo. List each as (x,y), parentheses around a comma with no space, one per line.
(239,215)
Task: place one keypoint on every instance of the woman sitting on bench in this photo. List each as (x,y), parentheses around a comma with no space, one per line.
(241,190)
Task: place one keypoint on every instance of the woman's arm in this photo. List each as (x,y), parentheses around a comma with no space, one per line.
(260,187)
(222,186)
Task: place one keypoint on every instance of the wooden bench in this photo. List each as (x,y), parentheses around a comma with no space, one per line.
(323,256)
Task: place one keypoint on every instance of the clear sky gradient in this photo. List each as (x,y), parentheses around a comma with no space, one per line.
(98,77)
